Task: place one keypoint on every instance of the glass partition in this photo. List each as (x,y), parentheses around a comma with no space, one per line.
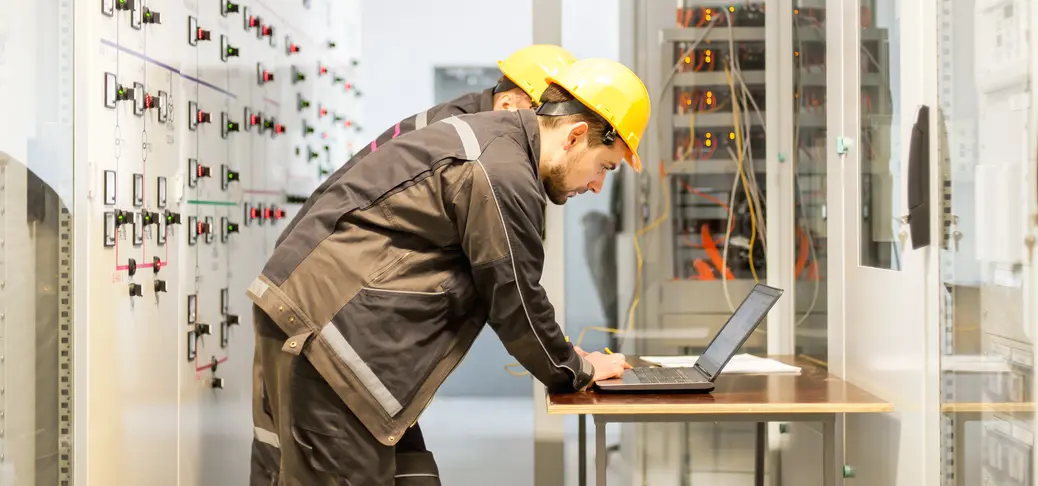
(810,198)
(36,225)
(880,134)
(984,137)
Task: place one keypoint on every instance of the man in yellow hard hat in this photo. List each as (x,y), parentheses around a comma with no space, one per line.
(521,83)
(375,296)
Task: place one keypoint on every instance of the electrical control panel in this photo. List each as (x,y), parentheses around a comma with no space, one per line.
(203,119)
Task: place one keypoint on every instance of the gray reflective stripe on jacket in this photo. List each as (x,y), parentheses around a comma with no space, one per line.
(477,102)
(388,279)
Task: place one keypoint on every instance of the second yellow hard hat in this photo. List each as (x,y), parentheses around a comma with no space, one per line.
(528,67)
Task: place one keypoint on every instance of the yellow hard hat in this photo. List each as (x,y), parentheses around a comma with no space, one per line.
(615,93)
(528,67)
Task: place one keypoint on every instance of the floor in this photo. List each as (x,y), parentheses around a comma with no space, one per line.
(480,441)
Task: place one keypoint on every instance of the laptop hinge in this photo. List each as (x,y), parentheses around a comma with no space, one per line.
(699,369)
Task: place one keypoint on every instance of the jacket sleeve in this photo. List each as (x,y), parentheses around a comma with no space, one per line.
(499,216)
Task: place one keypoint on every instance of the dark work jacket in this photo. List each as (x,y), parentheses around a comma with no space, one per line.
(386,281)
(469,103)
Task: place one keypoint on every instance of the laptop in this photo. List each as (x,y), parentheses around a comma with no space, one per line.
(700,377)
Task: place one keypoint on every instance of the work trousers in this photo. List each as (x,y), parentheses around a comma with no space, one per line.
(306,436)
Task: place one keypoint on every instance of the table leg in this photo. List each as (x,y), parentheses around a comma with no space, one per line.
(758,469)
(582,450)
(832,451)
(600,452)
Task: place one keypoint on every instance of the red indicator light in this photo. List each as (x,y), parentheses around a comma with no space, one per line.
(324,111)
(266,213)
(200,229)
(349,85)
(254,213)
(201,34)
(324,70)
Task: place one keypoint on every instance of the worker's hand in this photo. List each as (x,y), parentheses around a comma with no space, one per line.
(580,352)
(607,365)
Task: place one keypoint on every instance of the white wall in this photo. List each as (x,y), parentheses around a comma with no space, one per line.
(403,40)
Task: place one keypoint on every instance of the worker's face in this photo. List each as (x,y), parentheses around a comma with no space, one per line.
(579,168)
(512,100)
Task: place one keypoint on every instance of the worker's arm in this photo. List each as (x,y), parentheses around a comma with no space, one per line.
(499,220)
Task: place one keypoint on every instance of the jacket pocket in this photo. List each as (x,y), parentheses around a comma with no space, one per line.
(393,338)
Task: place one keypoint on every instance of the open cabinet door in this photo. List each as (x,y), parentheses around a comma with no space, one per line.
(886,206)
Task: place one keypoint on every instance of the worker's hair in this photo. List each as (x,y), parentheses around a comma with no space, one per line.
(597,126)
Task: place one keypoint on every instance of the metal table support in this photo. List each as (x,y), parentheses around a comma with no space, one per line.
(832,462)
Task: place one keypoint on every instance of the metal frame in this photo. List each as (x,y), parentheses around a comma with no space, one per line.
(832,438)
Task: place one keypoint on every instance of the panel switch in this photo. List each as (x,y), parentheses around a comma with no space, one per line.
(228,176)
(172,218)
(151,16)
(217,383)
(122,217)
(229,7)
(297,75)
(136,290)
(227,50)
(131,267)
(160,286)
(301,102)
(203,329)
(263,76)
(228,126)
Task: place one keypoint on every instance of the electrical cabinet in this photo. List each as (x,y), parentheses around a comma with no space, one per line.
(193,128)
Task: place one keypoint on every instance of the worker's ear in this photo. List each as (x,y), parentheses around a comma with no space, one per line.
(506,102)
(577,130)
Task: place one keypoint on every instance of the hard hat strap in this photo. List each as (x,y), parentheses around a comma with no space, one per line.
(575,107)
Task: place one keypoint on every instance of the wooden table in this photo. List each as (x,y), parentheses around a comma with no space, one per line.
(812,396)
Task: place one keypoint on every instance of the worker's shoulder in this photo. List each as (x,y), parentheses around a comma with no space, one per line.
(502,129)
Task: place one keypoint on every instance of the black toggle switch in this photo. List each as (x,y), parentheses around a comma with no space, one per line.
(339,118)
(123,93)
(297,75)
(203,329)
(203,171)
(151,16)
(203,228)
(338,79)
(150,102)
(227,125)
(131,267)
(230,176)
(149,217)
(232,228)
(156,265)
(122,217)
(203,117)
(307,129)
(160,286)
(124,5)
(213,363)
(172,218)
(323,171)
(233,51)
(232,320)
(217,383)
(229,7)
(136,290)
(203,35)
(263,76)
(332,44)
(311,155)
(302,103)
(254,119)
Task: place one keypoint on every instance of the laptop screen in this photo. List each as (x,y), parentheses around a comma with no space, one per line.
(738,329)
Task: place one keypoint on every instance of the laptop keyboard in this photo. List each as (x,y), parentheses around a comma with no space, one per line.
(666,375)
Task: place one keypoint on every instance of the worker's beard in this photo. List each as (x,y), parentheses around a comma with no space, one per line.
(555,184)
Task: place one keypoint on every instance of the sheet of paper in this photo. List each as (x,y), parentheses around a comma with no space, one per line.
(739,364)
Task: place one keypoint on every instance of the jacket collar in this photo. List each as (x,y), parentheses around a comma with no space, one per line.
(486,100)
(532,132)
